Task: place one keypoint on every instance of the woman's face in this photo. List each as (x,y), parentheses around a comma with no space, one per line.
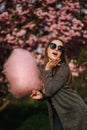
(54,50)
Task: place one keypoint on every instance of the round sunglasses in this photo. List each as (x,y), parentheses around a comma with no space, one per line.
(54,46)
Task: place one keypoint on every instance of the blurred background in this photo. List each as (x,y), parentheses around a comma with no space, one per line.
(31,24)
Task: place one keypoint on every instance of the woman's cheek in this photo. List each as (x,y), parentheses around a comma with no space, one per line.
(59,54)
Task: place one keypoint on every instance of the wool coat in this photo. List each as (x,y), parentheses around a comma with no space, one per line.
(64,100)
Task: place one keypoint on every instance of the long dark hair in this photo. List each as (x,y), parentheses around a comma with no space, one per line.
(64,59)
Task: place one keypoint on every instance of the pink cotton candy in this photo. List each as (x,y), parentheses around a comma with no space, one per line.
(22,73)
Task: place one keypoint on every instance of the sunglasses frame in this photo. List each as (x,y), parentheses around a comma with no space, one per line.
(54,46)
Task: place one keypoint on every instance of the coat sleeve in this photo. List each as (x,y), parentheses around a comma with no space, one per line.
(54,84)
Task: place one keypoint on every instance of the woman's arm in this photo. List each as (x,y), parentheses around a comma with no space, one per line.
(54,84)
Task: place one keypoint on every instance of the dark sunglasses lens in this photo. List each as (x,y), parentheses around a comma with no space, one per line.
(60,48)
(52,45)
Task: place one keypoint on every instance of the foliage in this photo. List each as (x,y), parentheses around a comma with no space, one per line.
(81,85)
(82,59)
(39,122)
(24,114)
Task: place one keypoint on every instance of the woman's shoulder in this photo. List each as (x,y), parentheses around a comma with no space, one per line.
(64,67)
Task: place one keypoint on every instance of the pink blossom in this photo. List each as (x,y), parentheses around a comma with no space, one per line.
(84,34)
(20,41)
(81,69)
(53,27)
(19,10)
(40,13)
(21,33)
(31,40)
(1,1)
(4,16)
(30,25)
(50,1)
(73,68)
(44,39)
(1,39)
(25,23)
(9,37)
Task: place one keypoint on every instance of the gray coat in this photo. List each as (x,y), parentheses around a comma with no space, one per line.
(60,97)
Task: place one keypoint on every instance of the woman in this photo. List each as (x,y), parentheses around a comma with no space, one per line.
(67,111)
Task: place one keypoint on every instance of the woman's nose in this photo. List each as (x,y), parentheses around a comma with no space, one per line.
(56,48)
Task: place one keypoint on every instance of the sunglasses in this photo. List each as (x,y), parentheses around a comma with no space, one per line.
(54,46)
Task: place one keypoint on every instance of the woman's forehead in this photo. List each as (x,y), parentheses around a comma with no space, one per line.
(58,42)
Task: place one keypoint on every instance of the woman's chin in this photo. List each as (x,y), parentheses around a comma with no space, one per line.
(54,58)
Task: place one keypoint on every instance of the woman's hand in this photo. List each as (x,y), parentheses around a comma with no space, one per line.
(52,63)
(36,94)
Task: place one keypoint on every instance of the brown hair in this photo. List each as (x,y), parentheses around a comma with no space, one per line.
(63,60)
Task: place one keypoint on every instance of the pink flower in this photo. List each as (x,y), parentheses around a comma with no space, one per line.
(21,33)
(4,16)
(32,39)
(73,68)
(9,37)
(50,1)
(30,25)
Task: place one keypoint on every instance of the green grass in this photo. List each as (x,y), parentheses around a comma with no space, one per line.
(35,122)
(25,114)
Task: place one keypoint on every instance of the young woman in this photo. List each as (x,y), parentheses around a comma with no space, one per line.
(67,111)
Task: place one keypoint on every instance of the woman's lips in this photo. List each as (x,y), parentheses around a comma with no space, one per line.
(54,53)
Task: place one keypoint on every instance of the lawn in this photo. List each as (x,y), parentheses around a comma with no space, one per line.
(24,114)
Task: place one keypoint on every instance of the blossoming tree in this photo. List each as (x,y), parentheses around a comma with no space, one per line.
(31,24)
